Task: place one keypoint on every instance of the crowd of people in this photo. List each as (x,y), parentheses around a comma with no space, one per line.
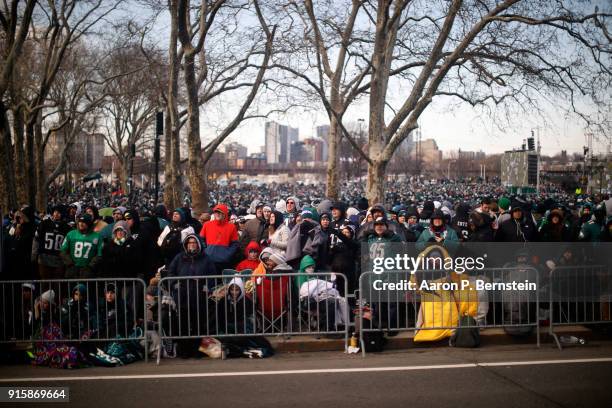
(273,228)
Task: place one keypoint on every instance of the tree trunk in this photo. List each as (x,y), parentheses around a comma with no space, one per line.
(375,187)
(41,188)
(20,159)
(195,171)
(333,160)
(124,174)
(7,171)
(177,180)
(168,176)
(31,162)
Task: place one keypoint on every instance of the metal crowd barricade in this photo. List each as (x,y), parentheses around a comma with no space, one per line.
(194,307)
(580,294)
(514,311)
(27,307)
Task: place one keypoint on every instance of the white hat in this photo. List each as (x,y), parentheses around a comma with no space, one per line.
(48,296)
(28,285)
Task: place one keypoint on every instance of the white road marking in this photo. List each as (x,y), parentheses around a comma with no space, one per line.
(314,371)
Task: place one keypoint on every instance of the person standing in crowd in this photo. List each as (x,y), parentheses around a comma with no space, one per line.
(220,237)
(18,245)
(81,250)
(278,232)
(338,212)
(120,256)
(47,246)
(554,229)
(592,230)
(169,241)
(483,223)
(107,232)
(255,227)
(513,229)
(143,243)
(343,255)
(380,233)
(293,209)
(191,262)
(461,221)
(318,242)
(98,224)
(503,204)
(438,233)
(426,213)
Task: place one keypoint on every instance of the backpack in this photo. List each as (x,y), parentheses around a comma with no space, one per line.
(467,335)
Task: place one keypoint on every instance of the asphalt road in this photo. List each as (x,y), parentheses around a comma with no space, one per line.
(502,376)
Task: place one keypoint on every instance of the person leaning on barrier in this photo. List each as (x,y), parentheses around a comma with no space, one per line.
(188,294)
(82,249)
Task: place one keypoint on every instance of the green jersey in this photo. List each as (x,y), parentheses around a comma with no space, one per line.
(82,248)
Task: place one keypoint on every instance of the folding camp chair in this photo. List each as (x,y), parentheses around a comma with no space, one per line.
(271,303)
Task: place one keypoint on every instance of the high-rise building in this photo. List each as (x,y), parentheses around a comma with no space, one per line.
(272,130)
(278,142)
(323,133)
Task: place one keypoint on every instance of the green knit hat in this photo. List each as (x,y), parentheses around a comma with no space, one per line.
(504,203)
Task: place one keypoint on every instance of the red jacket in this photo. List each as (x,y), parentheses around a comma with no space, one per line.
(246,263)
(220,237)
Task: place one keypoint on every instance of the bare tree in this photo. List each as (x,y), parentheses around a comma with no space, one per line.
(498,56)
(217,60)
(15,22)
(54,27)
(323,49)
(486,53)
(130,107)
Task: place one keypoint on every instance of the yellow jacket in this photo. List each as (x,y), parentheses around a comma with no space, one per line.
(440,309)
